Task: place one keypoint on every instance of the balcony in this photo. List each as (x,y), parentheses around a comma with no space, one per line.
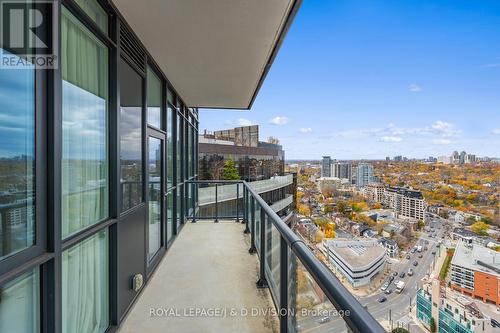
(247,273)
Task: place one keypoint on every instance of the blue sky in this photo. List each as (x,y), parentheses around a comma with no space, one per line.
(369,79)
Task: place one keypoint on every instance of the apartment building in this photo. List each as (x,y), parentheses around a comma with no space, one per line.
(375,192)
(406,202)
(364,174)
(342,170)
(475,271)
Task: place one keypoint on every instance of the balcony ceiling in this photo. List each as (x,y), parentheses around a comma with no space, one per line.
(216,53)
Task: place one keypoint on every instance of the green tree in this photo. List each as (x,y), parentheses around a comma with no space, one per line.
(400,330)
(341,207)
(433,325)
(229,171)
(420,224)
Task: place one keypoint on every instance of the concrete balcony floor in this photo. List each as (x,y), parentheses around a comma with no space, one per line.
(207,267)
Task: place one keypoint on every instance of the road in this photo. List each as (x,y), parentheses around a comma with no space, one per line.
(397,306)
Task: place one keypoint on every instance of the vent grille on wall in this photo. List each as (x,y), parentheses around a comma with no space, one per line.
(131,48)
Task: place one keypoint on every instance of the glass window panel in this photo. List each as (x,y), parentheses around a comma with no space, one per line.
(130,136)
(20,304)
(178,207)
(155,197)
(170,146)
(154,99)
(17,159)
(85,301)
(95,12)
(84,111)
(179,148)
(170,216)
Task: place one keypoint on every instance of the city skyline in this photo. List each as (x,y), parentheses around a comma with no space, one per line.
(429,87)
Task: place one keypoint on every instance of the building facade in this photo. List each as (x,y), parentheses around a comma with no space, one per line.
(358,261)
(254,159)
(98,154)
(475,271)
(407,203)
(375,192)
(342,170)
(326,166)
(364,174)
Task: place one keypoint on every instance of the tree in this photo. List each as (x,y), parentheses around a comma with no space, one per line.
(480,228)
(443,213)
(341,207)
(400,330)
(420,224)
(229,172)
(433,325)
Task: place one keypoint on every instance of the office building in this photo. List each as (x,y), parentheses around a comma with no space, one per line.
(475,271)
(326,164)
(342,170)
(364,174)
(357,260)
(407,203)
(254,159)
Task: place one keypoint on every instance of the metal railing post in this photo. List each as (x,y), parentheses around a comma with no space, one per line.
(245,206)
(246,210)
(252,249)
(216,206)
(237,202)
(262,282)
(283,310)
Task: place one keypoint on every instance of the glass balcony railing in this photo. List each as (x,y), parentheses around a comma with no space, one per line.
(306,295)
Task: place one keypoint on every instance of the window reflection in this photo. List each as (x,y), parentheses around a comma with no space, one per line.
(154,99)
(155,197)
(17,164)
(130,136)
(84,113)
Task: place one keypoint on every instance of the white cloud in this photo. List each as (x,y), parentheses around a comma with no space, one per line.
(391,139)
(244,122)
(496,131)
(414,88)
(442,141)
(305,130)
(279,120)
(444,129)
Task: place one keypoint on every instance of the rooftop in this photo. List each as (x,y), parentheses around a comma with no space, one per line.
(477,258)
(357,253)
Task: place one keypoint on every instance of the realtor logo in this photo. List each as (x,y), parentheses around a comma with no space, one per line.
(27,35)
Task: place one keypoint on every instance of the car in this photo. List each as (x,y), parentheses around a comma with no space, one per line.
(420,256)
(381,299)
(391,278)
(384,286)
(402,275)
(426,248)
(388,291)
(433,252)
(495,323)
(395,274)
(415,263)
(324,320)
(408,257)
(426,241)
(410,272)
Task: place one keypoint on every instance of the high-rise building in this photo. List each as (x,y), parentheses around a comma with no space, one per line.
(326,164)
(342,170)
(364,174)
(461,158)
(375,192)
(398,158)
(455,157)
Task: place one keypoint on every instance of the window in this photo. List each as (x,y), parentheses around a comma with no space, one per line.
(20,304)
(170,146)
(155,196)
(85,301)
(180,125)
(154,99)
(17,160)
(170,216)
(130,136)
(84,62)
(95,12)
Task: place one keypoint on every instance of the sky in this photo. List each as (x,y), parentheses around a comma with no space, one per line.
(369,79)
